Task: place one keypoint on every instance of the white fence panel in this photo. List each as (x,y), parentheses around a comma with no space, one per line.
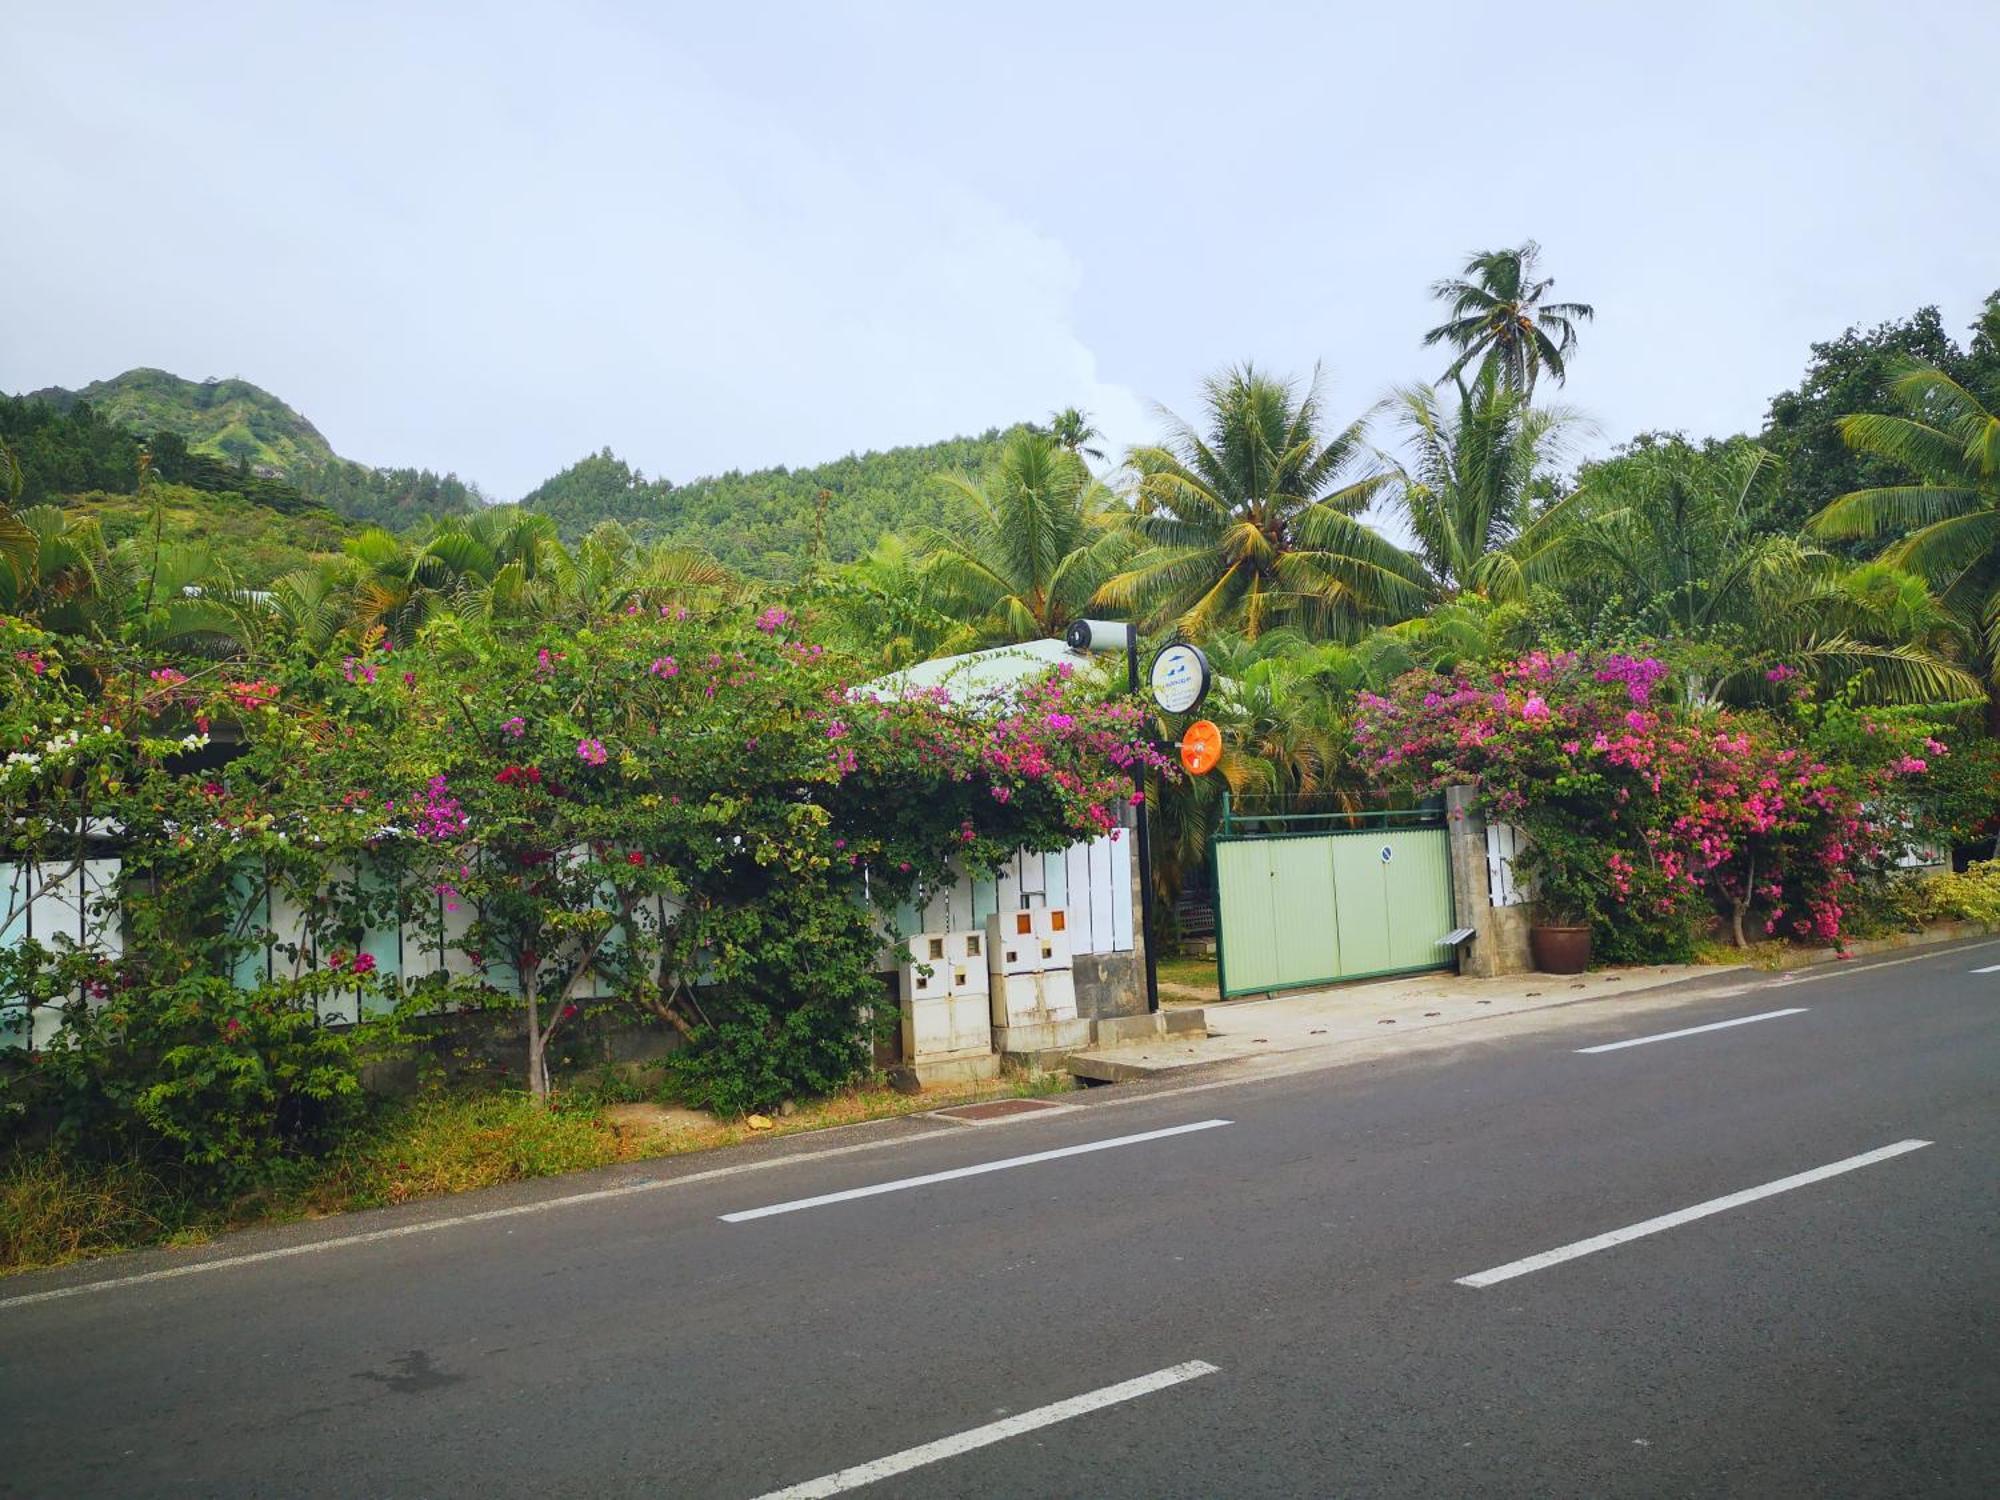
(1503,845)
(1103,918)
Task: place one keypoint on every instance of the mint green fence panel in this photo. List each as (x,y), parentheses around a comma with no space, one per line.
(1361,903)
(1307,909)
(1246,922)
(1416,882)
(1304,942)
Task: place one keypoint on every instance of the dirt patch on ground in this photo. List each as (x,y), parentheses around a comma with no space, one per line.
(635,1122)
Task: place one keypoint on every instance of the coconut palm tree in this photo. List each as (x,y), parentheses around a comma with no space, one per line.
(1661,542)
(1498,317)
(1073,430)
(1256,520)
(1466,486)
(1946,522)
(1661,534)
(1044,536)
(885,610)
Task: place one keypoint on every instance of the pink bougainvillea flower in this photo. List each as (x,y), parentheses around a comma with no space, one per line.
(516,726)
(591,752)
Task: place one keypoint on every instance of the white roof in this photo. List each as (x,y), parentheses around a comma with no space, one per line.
(976,673)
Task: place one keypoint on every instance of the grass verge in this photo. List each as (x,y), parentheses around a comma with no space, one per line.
(54,1209)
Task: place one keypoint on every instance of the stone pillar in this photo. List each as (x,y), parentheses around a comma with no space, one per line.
(1499,941)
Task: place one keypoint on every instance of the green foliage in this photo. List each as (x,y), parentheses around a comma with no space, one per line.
(790,978)
(1255,521)
(398,499)
(158,1057)
(1043,537)
(226,1087)
(1475,469)
(232,419)
(259,544)
(1497,316)
(770,523)
(1942,519)
(1848,376)
(58,452)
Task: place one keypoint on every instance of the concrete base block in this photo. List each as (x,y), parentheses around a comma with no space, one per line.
(1111,1031)
(1116,1031)
(1042,1036)
(1099,1067)
(912,1077)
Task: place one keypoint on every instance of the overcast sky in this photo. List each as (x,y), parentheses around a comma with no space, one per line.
(492,239)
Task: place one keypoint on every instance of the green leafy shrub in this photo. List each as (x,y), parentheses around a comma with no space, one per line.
(1970,896)
(789,1012)
(236,1086)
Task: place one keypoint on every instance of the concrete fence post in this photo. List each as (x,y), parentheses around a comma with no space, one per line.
(1499,941)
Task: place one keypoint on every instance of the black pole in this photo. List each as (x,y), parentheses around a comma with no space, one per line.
(1145,836)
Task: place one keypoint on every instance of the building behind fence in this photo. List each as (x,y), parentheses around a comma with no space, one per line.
(75,902)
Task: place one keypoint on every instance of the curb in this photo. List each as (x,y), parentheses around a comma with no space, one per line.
(1931,937)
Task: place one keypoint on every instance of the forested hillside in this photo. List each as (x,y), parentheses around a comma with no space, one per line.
(232,419)
(256,545)
(243,433)
(768,522)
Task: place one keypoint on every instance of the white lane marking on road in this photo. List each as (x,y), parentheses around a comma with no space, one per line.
(993,1432)
(1590,1246)
(1989,969)
(902,1183)
(1668,1036)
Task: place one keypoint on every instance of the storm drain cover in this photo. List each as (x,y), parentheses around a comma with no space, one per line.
(994,1109)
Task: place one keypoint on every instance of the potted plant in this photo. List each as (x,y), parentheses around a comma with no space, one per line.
(1567,883)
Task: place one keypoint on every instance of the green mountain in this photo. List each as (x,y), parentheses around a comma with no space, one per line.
(769,522)
(244,428)
(231,437)
(232,419)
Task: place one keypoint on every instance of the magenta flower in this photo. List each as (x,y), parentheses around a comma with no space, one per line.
(516,726)
(772,620)
(664,667)
(591,752)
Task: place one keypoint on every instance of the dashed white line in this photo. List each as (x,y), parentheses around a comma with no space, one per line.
(993,1432)
(1989,969)
(1590,1246)
(1668,1036)
(902,1184)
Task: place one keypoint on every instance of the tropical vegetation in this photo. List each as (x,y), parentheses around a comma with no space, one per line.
(610,754)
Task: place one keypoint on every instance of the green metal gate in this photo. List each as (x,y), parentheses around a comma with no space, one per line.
(1307,907)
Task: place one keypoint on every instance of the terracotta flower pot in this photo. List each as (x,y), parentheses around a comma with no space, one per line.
(1560,950)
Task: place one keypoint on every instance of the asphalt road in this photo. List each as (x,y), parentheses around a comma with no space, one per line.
(1834,1337)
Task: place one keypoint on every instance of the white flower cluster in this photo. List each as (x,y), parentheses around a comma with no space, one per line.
(58,746)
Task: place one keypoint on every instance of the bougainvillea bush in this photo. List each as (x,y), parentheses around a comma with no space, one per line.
(146,1047)
(694,815)
(1645,816)
(692,819)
